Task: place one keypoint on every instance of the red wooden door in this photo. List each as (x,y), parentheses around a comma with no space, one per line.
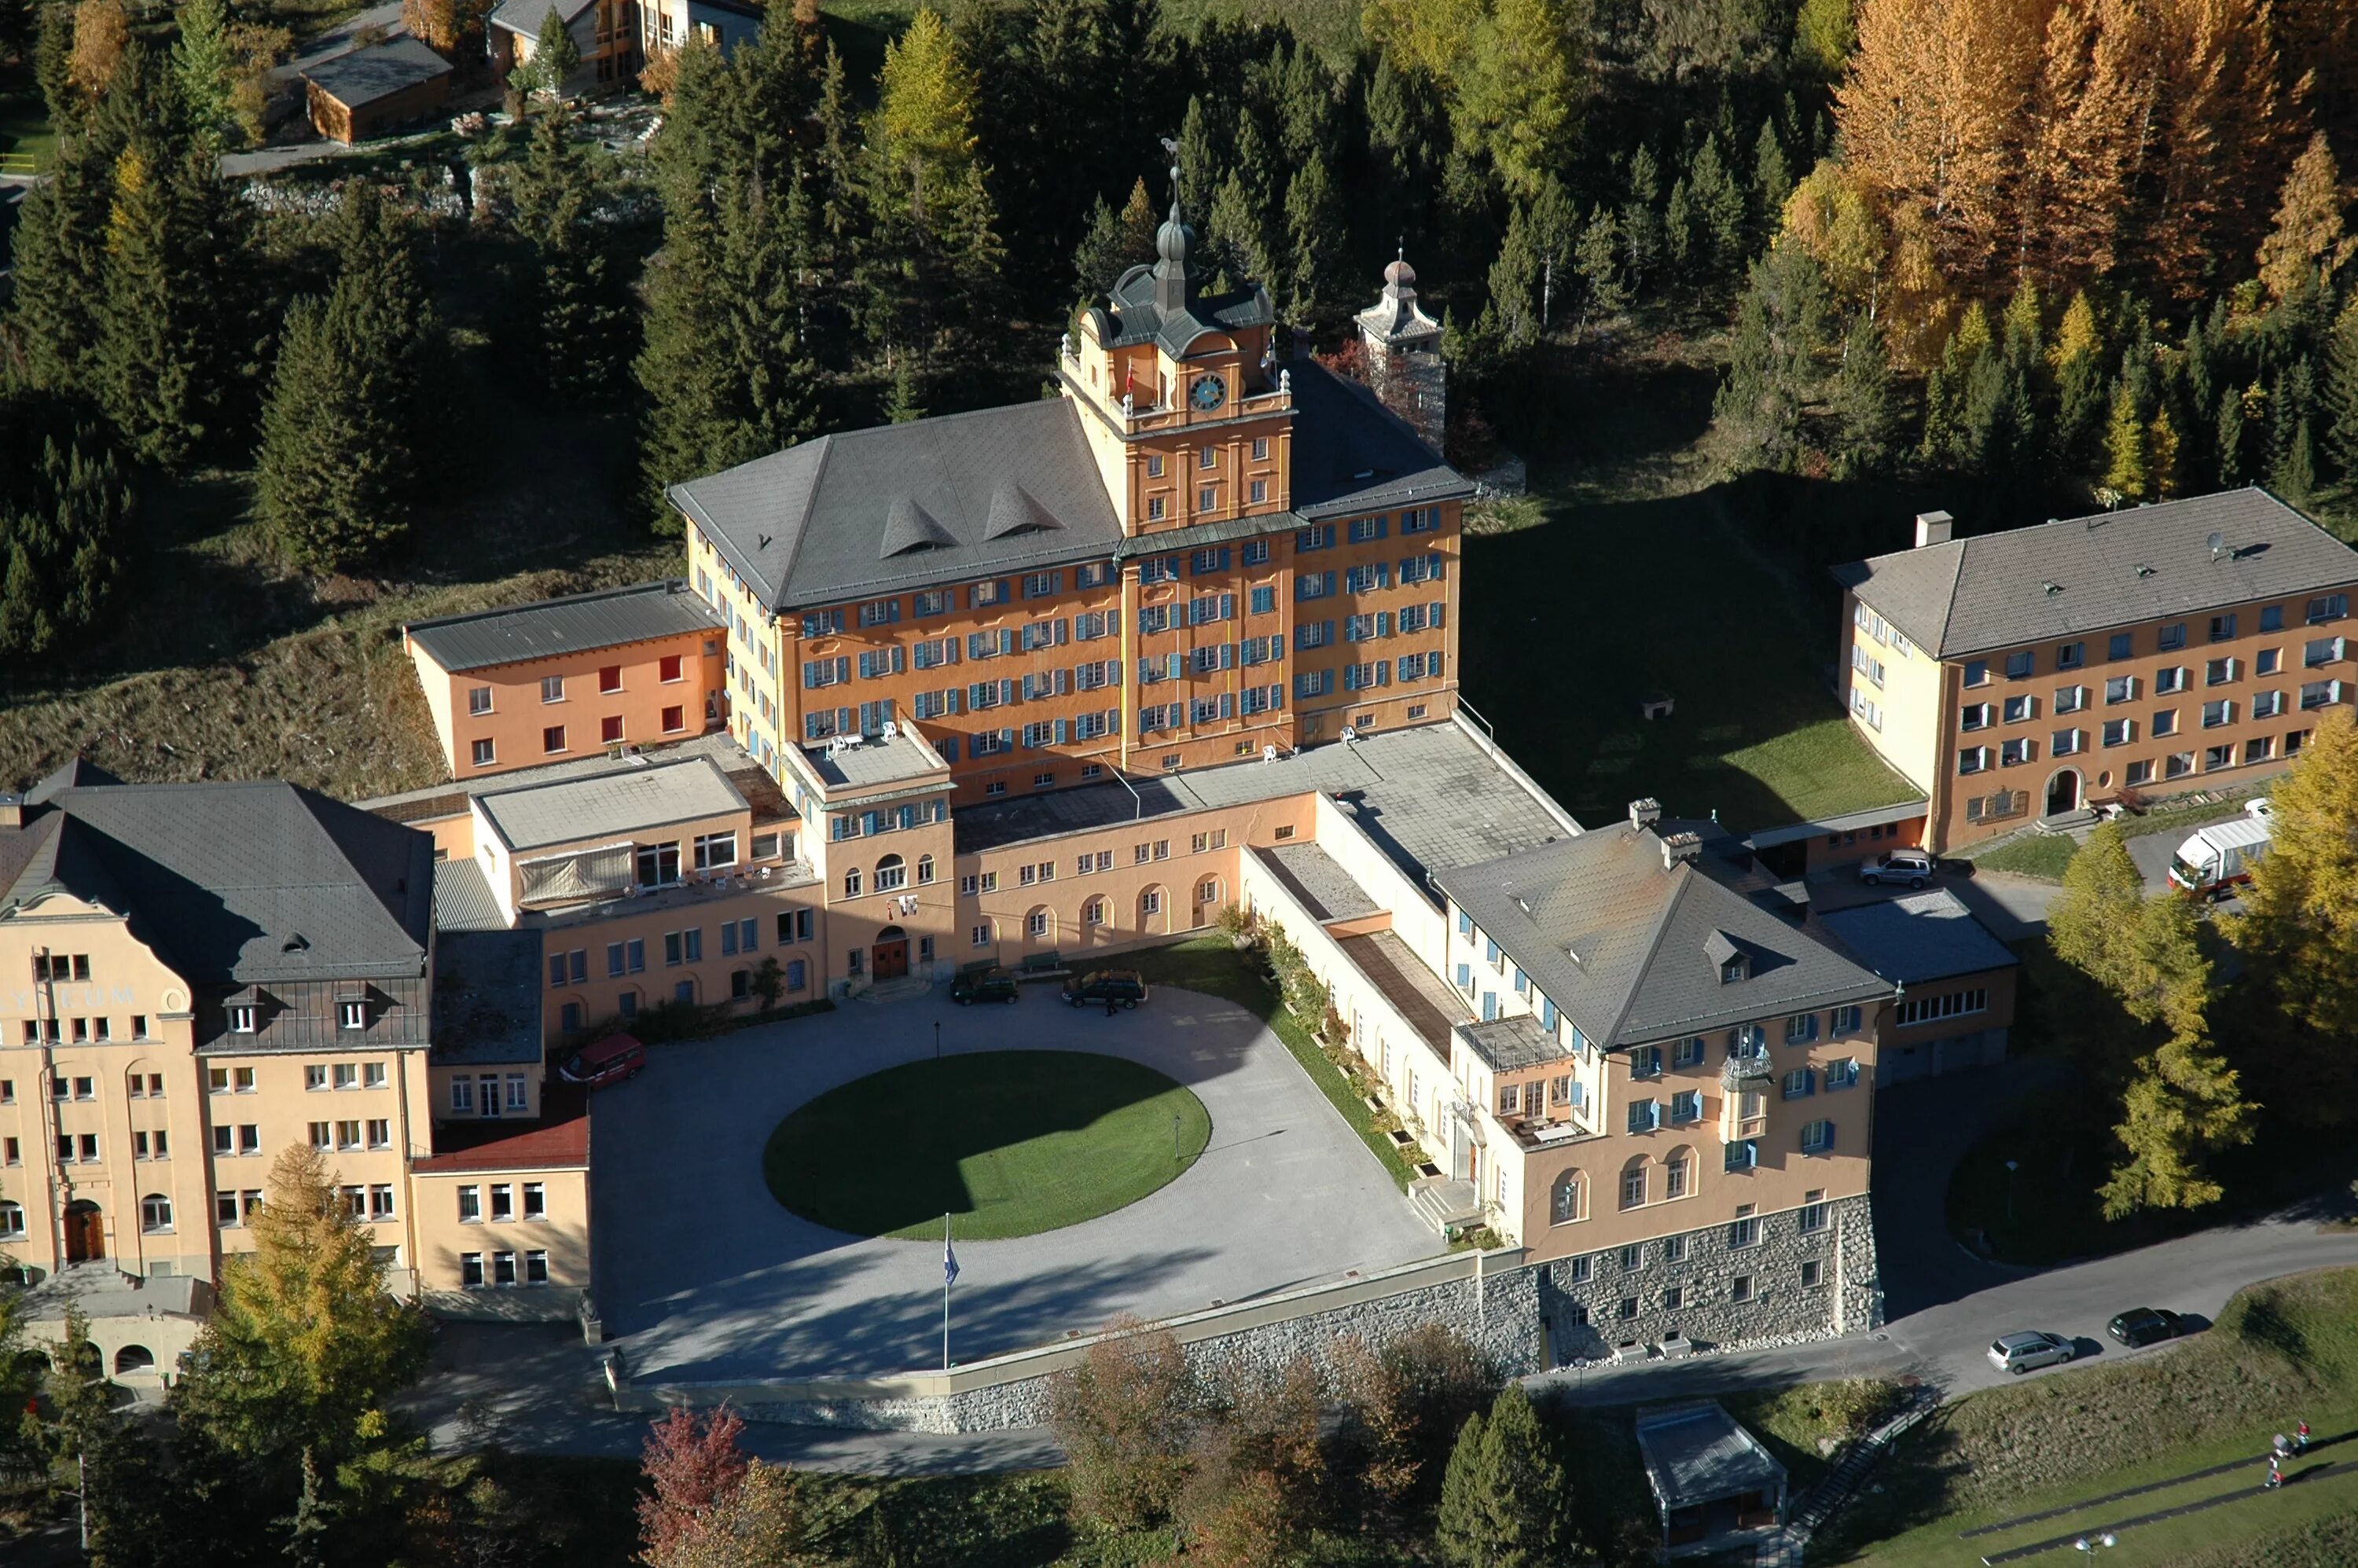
(891,960)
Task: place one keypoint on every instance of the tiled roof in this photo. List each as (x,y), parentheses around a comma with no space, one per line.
(607,805)
(560,1138)
(573,625)
(2068,578)
(525,16)
(1630,948)
(462,898)
(901,506)
(487,993)
(376,70)
(236,882)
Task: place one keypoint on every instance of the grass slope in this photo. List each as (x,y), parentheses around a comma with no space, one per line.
(2280,1352)
(1005,1142)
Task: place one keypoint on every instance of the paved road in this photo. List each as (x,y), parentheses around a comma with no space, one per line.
(2014,908)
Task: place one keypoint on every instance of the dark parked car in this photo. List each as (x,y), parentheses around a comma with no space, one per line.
(612,1059)
(982,985)
(2146,1325)
(1122,986)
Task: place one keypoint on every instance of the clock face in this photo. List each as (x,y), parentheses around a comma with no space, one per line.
(1208,392)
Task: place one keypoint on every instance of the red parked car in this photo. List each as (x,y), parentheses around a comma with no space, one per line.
(612,1059)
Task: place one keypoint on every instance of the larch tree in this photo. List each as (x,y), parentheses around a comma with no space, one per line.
(206,63)
(2183,1104)
(937,251)
(102,32)
(2309,242)
(1829,216)
(2092,922)
(1823,35)
(1930,117)
(2299,922)
(2128,460)
(1520,87)
(306,1343)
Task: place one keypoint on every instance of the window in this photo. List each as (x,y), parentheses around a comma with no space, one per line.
(348,1074)
(1646,1062)
(1744,1231)
(2218,672)
(1742,1154)
(1802,1029)
(2071,698)
(2120,688)
(1842,1075)
(462,1095)
(1813,1211)
(1633,1194)
(1688,1052)
(470,1269)
(1644,1115)
(2266,704)
(2219,757)
(2172,636)
(1628,1309)
(2320,651)
(1739,1289)
(2215,714)
(12,1219)
(2178,764)
(1563,1199)
(2071,655)
(380,1133)
(2019,708)
(714,850)
(552,689)
(2319,694)
(1686,1105)
(2119,731)
(1972,759)
(2012,752)
(155,1213)
(1818,1138)
(2018,666)
(484,754)
(1799,1084)
(240,1022)
(1973,716)
(1812,1273)
(553,739)
(2118,646)
(2164,722)
(1977,672)
(351,1014)
(2332,607)
(536,1268)
(2168,681)
(2259,749)
(471,1205)
(2066,743)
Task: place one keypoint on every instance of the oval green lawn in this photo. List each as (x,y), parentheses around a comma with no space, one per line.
(1005,1142)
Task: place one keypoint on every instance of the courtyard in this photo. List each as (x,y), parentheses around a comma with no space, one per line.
(702,1274)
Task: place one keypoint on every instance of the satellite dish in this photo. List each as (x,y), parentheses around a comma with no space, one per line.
(2218,543)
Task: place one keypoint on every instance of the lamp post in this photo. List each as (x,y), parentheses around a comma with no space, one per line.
(2011,1166)
(938,1039)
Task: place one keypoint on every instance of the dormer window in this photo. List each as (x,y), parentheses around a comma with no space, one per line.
(351,1014)
(241,1019)
(1734,968)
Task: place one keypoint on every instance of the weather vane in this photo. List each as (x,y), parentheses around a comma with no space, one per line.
(1170,145)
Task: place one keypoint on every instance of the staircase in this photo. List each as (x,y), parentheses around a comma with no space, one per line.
(1808,1516)
(898,990)
(2078,821)
(1444,1204)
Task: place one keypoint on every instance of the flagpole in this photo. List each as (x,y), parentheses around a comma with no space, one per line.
(947,1277)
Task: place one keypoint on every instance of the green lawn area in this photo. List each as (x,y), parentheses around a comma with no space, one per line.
(25,120)
(2041,855)
(1005,1142)
(1210,964)
(2280,1352)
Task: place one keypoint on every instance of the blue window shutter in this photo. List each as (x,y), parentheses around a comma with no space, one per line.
(1383,672)
(1006,739)
(1060,732)
(810,674)
(1113,673)
(1228,603)
(975,693)
(951,648)
(948,747)
(1176,665)
(900,657)
(950,701)
(1383,622)
(871,822)
(1007,639)
(843,667)
(1007,691)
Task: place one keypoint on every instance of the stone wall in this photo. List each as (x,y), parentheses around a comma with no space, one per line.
(1729,1291)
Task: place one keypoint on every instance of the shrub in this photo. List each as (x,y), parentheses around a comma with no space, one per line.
(1857,1406)
(1128,1416)
(1403,1407)
(1261,1472)
(1234,921)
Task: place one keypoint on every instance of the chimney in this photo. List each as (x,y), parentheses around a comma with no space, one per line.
(1679,846)
(1933,528)
(1645,812)
(12,810)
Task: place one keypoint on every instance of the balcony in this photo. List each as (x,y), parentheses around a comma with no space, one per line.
(695,888)
(1746,1070)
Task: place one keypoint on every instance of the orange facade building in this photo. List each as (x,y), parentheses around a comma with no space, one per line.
(1193,554)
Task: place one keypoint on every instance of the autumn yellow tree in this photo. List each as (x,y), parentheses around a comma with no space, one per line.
(1829,216)
(2299,921)
(1931,117)
(101,29)
(2309,242)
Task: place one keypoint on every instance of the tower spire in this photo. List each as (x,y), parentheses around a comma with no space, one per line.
(1173,277)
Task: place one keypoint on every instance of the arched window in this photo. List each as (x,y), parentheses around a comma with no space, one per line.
(925,869)
(891,872)
(1563,1199)
(1150,903)
(851,883)
(155,1212)
(1039,924)
(1678,1174)
(1094,912)
(12,1218)
(134,1358)
(1633,1182)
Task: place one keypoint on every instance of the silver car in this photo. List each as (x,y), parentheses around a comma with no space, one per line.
(2032,1348)
(1913,866)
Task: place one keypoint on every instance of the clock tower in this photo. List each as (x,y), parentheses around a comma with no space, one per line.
(1186,410)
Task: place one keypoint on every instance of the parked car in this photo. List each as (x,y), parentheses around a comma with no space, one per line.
(2146,1325)
(2035,1347)
(2260,808)
(982,985)
(1122,986)
(616,1057)
(1913,866)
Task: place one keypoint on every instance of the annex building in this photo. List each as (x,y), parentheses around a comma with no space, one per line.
(2031,674)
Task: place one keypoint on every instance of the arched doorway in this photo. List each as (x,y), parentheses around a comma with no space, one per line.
(134,1358)
(85,1232)
(889,961)
(2063,791)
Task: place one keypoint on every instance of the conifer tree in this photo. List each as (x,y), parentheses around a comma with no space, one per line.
(2076,360)
(165,349)
(936,262)
(1115,243)
(1772,183)
(2308,243)
(2339,394)
(1865,404)
(1506,1501)
(1641,223)
(2228,441)
(206,66)
(63,510)
(2161,446)
(337,468)
(1685,250)
(53,68)
(1597,258)
(1719,210)
(2292,459)
(59,252)
(554,55)
(2127,470)
(580,322)
(1316,231)
(1773,372)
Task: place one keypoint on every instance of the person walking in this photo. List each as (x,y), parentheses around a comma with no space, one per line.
(2300,1438)
(2276,1473)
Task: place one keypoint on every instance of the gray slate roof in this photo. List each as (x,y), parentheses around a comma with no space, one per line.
(487,995)
(1318,883)
(379,71)
(573,625)
(1928,935)
(526,16)
(1630,949)
(242,883)
(1697,1454)
(462,898)
(2116,569)
(1135,317)
(1352,455)
(901,506)
(1429,796)
(611,805)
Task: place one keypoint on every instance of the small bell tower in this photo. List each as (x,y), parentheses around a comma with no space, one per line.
(1403,353)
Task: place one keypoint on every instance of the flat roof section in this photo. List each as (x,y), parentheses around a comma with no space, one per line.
(451,798)
(874,762)
(609,806)
(576,623)
(1318,883)
(560,1138)
(1697,1454)
(1429,796)
(1422,1000)
(486,998)
(1928,935)
(1510,1044)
